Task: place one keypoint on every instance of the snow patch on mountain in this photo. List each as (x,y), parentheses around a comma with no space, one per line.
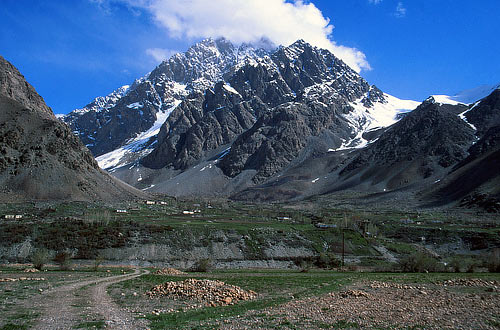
(105,102)
(136,147)
(382,114)
(468,96)
(135,105)
(230,89)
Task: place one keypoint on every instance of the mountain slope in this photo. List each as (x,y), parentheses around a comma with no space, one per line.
(40,157)
(475,181)
(434,156)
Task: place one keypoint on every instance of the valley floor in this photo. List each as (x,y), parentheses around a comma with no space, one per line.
(115,298)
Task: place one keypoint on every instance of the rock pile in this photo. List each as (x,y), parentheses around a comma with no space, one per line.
(169,271)
(391,285)
(470,282)
(210,292)
(354,294)
(31,270)
(8,279)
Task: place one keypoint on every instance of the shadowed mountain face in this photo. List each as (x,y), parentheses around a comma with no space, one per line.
(40,157)
(434,156)
(475,180)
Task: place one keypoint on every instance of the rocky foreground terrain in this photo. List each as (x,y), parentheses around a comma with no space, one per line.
(132,299)
(375,305)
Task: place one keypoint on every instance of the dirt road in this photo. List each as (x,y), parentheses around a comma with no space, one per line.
(63,307)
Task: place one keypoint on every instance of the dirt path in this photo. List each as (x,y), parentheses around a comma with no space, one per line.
(114,316)
(62,307)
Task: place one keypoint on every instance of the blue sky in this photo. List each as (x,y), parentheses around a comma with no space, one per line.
(73,51)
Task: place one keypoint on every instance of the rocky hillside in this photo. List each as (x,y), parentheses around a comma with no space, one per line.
(475,180)
(427,140)
(40,157)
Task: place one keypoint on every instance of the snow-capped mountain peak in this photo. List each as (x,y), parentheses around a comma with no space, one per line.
(101,103)
(468,96)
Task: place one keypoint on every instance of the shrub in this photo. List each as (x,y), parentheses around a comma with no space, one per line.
(493,261)
(97,262)
(455,264)
(40,258)
(327,261)
(420,262)
(202,265)
(63,260)
(304,264)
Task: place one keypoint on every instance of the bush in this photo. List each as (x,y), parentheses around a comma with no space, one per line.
(456,265)
(202,266)
(420,262)
(304,263)
(40,258)
(63,260)
(493,261)
(327,261)
(97,262)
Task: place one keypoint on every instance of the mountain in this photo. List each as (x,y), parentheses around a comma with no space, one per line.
(435,156)
(219,104)
(40,157)
(288,123)
(475,180)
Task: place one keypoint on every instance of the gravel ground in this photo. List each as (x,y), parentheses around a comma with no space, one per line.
(369,305)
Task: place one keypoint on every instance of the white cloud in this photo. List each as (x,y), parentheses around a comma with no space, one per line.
(400,10)
(160,54)
(283,22)
(375,2)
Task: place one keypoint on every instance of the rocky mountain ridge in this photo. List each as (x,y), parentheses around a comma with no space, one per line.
(40,157)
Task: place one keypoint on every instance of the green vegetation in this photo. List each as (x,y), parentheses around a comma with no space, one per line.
(274,287)
(420,262)
(62,259)
(86,229)
(40,258)
(203,265)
